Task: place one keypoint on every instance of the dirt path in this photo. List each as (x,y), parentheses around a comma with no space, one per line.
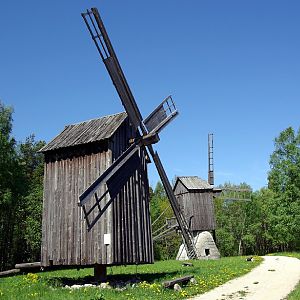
(273,279)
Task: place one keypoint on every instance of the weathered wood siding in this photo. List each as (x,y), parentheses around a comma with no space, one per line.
(65,239)
(131,225)
(132,235)
(197,206)
(202,207)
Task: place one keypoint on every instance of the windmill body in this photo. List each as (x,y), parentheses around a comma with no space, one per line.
(195,198)
(73,161)
(147,129)
(101,165)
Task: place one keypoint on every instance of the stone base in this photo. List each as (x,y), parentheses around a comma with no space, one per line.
(205,246)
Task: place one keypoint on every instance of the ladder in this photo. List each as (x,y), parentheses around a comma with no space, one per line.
(210,159)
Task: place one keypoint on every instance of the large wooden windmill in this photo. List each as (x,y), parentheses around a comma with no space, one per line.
(112,181)
(101,165)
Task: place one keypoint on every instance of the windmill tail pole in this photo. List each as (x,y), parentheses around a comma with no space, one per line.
(186,234)
(211,159)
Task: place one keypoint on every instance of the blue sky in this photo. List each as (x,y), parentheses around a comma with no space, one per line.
(232,67)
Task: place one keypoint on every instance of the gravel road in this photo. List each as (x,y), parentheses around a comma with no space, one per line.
(273,279)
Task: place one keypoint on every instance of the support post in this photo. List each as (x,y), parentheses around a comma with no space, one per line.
(100,273)
(214,235)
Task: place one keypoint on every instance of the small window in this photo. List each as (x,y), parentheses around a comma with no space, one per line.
(207,252)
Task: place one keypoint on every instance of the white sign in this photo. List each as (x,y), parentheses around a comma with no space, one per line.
(106,238)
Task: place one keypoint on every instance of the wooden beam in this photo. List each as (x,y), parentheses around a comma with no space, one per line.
(100,273)
(184,280)
(9,272)
(28,265)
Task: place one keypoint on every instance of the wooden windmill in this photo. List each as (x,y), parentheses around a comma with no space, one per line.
(101,165)
(111,182)
(195,199)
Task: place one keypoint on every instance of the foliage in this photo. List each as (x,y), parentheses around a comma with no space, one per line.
(271,220)
(167,247)
(33,167)
(9,185)
(208,275)
(284,180)
(288,254)
(295,294)
(231,218)
(259,225)
(21,173)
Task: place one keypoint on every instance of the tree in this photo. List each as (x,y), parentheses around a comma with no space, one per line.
(258,237)
(9,193)
(30,212)
(231,218)
(21,174)
(284,180)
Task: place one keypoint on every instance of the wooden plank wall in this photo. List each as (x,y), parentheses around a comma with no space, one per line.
(202,207)
(182,196)
(132,235)
(199,204)
(65,240)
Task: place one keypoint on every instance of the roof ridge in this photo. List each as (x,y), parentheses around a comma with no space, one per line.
(94,119)
(85,132)
(193,183)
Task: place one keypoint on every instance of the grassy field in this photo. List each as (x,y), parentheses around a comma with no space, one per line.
(290,254)
(50,285)
(295,294)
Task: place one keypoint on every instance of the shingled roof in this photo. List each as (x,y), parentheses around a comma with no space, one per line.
(86,132)
(194,183)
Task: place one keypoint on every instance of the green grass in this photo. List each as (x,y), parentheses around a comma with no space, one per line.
(295,294)
(50,285)
(290,254)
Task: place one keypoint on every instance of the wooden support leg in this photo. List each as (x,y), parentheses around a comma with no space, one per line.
(100,273)
(214,236)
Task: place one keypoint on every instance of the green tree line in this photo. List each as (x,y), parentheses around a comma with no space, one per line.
(21,178)
(269,222)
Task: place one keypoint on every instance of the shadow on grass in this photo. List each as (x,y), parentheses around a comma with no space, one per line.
(118,280)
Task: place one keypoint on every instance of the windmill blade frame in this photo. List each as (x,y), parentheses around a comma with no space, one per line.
(107,53)
(112,180)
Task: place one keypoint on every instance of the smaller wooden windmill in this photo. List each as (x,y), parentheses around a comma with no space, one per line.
(195,199)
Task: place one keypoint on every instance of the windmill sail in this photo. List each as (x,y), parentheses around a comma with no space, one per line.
(109,183)
(107,53)
(161,116)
